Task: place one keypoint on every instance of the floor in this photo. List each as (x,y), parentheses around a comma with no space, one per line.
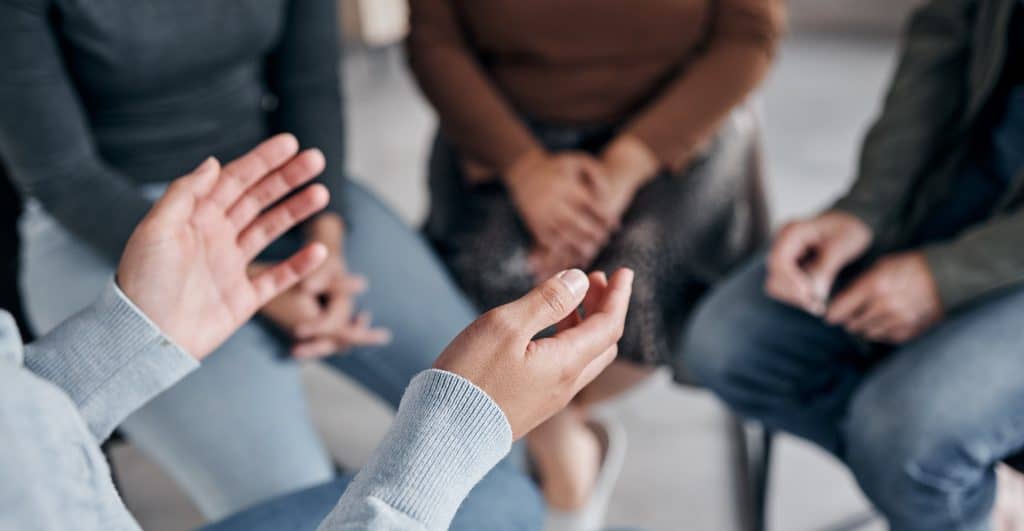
(815,106)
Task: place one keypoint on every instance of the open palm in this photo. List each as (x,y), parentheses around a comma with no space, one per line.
(186,265)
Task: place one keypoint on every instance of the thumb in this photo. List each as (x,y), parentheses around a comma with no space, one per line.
(824,269)
(551,301)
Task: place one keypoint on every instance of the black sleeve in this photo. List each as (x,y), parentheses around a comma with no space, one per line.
(304,72)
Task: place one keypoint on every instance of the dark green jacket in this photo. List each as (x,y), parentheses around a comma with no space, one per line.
(952,59)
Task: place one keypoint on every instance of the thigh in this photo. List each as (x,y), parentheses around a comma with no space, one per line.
(238,430)
(770,361)
(299,511)
(956,393)
(59,275)
(504,499)
(409,292)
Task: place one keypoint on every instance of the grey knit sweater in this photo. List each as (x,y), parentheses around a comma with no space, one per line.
(99,97)
(73,386)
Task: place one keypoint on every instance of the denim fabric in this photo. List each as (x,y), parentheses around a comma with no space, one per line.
(237,431)
(921,426)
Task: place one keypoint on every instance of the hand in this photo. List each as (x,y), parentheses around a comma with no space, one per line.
(627,165)
(893,302)
(807,255)
(556,198)
(532,379)
(185,265)
(332,328)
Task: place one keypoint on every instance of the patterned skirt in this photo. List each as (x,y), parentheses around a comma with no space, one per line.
(683,231)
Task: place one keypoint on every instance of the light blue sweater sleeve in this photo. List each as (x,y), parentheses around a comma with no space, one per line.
(448,434)
(110,359)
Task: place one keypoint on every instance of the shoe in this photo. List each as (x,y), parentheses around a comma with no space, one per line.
(591,516)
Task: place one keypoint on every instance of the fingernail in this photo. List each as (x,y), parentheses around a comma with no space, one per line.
(575,280)
(206,166)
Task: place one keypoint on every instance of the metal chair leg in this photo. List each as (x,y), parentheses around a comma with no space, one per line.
(752,447)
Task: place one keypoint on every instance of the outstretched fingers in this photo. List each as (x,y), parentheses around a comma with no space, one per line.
(242,173)
(181,197)
(277,279)
(279,183)
(278,220)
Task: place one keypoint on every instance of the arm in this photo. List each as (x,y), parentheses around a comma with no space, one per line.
(494,383)
(110,359)
(980,261)
(45,140)
(691,107)
(474,114)
(304,72)
(927,95)
(447,435)
(182,283)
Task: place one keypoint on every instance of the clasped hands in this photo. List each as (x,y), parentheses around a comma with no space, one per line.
(187,267)
(319,312)
(893,301)
(572,202)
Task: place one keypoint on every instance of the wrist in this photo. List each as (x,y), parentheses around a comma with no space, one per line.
(850,223)
(523,167)
(630,162)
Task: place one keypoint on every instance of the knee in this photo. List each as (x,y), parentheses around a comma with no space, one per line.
(914,463)
(722,337)
(505,499)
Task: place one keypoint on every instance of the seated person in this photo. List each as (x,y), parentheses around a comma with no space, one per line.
(184,286)
(101,105)
(568,140)
(888,329)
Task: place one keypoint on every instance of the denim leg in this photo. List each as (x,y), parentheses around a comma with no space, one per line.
(928,424)
(504,500)
(772,362)
(410,292)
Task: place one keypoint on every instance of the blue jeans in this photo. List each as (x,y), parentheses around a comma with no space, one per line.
(55,477)
(921,426)
(521,509)
(238,431)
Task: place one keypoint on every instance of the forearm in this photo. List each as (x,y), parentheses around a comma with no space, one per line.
(474,114)
(690,109)
(980,261)
(305,74)
(110,359)
(45,141)
(447,435)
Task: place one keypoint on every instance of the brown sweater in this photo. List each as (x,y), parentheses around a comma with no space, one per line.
(669,70)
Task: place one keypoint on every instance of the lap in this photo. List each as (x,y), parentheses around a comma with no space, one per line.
(961,383)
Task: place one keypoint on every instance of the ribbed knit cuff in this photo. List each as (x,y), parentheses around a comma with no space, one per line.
(447,436)
(110,359)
